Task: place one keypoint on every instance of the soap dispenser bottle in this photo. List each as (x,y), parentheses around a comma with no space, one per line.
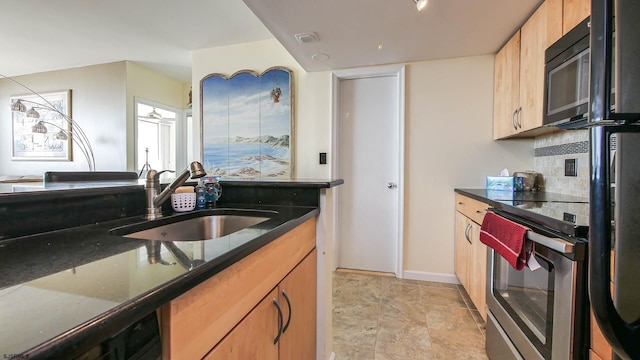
(213,191)
(200,196)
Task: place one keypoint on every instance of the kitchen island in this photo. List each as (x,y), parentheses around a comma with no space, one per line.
(66,289)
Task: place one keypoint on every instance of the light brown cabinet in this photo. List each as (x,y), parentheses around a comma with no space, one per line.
(462,248)
(506,89)
(478,271)
(298,292)
(600,348)
(282,326)
(470,253)
(574,11)
(198,320)
(519,74)
(254,337)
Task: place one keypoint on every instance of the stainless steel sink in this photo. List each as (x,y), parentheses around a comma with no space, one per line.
(194,228)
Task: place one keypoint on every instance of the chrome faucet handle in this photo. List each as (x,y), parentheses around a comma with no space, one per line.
(155,197)
(155,175)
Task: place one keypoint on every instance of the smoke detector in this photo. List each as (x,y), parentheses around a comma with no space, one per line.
(308,37)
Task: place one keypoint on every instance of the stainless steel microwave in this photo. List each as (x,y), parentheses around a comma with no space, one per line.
(566,90)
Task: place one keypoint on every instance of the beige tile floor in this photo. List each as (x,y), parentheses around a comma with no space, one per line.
(384,318)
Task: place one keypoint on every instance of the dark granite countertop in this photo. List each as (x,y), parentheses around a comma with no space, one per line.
(65,290)
(567,214)
(11,191)
(495,197)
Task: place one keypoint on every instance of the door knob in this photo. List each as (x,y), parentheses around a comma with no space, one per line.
(391,185)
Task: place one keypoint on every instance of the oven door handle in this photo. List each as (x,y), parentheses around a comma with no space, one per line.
(557,244)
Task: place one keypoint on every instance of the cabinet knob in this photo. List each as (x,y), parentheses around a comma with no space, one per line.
(391,185)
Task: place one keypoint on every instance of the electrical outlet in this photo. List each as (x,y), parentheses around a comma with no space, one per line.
(323,158)
(571,167)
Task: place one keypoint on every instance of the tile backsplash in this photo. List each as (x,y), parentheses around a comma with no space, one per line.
(552,150)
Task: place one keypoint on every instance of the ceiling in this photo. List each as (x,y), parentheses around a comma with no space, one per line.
(160,34)
(37,35)
(373,32)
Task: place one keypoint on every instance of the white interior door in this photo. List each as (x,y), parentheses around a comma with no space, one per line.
(368,159)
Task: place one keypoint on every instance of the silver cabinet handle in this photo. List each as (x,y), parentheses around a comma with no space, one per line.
(466,232)
(513,119)
(286,297)
(392,185)
(518,118)
(280,321)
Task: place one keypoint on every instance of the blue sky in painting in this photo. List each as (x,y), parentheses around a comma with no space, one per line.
(235,107)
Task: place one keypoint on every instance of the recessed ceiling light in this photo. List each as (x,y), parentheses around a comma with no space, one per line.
(421,4)
(320,57)
(304,38)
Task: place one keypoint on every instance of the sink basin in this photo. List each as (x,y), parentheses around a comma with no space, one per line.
(205,227)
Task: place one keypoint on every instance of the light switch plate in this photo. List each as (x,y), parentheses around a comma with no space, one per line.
(570,167)
(323,158)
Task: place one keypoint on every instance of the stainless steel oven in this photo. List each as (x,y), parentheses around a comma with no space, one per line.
(540,314)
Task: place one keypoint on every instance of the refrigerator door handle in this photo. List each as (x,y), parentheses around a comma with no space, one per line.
(624,337)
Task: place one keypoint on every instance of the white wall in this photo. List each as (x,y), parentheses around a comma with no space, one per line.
(449,124)
(311,98)
(449,127)
(312,134)
(98,106)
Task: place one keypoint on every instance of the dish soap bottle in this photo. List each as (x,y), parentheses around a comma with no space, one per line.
(200,196)
(213,191)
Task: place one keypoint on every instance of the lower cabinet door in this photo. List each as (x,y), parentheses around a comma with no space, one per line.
(478,272)
(297,295)
(462,248)
(253,338)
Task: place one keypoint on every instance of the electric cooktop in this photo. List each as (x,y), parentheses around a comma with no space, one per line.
(569,218)
(567,214)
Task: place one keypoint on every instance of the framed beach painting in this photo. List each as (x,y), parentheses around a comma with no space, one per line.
(247,124)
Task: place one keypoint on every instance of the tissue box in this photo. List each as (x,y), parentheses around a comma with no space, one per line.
(504,183)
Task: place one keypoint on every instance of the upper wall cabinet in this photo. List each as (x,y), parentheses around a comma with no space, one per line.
(506,89)
(574,12)
(519,74)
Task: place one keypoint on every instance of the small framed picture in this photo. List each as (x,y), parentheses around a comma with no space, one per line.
(42,131)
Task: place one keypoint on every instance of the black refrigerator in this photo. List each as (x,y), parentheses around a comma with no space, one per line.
(614,221)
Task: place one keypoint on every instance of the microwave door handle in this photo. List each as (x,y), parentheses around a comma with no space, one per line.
(559,245)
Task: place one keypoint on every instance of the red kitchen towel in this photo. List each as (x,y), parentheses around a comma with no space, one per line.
(507,238)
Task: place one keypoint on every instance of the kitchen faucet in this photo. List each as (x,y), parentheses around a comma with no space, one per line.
(152,187)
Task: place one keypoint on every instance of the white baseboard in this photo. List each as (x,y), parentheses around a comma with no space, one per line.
(333,356)
(435,277)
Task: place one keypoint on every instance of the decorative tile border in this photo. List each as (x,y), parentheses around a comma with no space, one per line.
(564,149)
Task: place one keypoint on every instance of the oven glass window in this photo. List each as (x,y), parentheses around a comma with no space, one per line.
(569,84)
(528,298)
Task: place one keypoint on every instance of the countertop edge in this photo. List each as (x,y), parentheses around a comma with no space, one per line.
(322,184)
(76,189)
(471,195)
(75,340)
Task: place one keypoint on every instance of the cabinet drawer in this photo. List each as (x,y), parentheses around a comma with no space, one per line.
(473,209)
